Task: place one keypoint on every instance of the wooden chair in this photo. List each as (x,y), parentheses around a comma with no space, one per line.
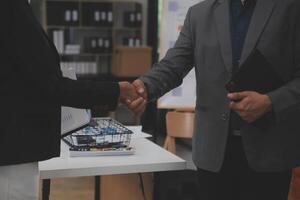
(179,125)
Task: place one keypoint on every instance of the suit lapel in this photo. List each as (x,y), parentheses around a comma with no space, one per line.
(51,45)
(222,21)
(261,15)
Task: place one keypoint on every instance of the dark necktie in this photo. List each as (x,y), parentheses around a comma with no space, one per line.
(247,3)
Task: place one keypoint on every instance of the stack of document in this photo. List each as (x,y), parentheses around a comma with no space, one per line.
(103,136)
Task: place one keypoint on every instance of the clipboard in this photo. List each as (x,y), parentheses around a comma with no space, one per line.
(256,74)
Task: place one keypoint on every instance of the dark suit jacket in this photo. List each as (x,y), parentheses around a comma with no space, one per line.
(204,42)
(33,90)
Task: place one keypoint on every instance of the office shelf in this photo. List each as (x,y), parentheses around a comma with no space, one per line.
(80,22)
(79,32)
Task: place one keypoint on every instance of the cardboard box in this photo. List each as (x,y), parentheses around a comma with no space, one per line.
(131,61)
(127,187)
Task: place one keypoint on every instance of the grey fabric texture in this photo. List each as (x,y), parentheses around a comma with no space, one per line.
(204,43)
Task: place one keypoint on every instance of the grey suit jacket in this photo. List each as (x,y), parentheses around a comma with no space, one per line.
(205,43)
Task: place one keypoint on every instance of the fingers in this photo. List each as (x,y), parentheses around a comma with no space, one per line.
(140,88)
(250,106)
(134,96)
(138,106)
(135,103)
(139,110)
(139,85)
(238,96)
(240,106)
(127,92)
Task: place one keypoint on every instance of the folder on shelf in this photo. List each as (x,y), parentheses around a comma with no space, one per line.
(62,13)
(75,15)
(67,16)
(97,14)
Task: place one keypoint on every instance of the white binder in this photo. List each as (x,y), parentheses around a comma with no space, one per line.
(72,119)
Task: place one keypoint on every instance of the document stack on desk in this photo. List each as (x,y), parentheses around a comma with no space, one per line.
(102,137)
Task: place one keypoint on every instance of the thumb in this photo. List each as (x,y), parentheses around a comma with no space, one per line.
(237,96)
(139,86)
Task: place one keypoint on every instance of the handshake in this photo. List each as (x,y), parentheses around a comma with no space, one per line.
(134,96)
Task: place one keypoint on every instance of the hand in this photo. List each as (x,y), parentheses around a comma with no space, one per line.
(138,106)
(250,105)
(127,93)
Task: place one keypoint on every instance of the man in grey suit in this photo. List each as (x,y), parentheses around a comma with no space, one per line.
(235,158)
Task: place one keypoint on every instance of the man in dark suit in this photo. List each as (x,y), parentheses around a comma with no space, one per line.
(32,92)
(236,158)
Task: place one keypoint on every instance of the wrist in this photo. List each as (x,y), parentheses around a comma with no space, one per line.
(268,103)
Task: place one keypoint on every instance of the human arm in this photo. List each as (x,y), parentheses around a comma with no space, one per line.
(170,71)
(37,63)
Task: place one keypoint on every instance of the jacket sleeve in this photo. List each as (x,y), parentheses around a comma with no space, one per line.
(287,98)
(35,60)
(170,71)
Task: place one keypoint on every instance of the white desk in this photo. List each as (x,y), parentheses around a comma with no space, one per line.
(137,132)
(148,157)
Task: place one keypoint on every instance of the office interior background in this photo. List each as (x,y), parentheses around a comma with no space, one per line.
(119,40)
